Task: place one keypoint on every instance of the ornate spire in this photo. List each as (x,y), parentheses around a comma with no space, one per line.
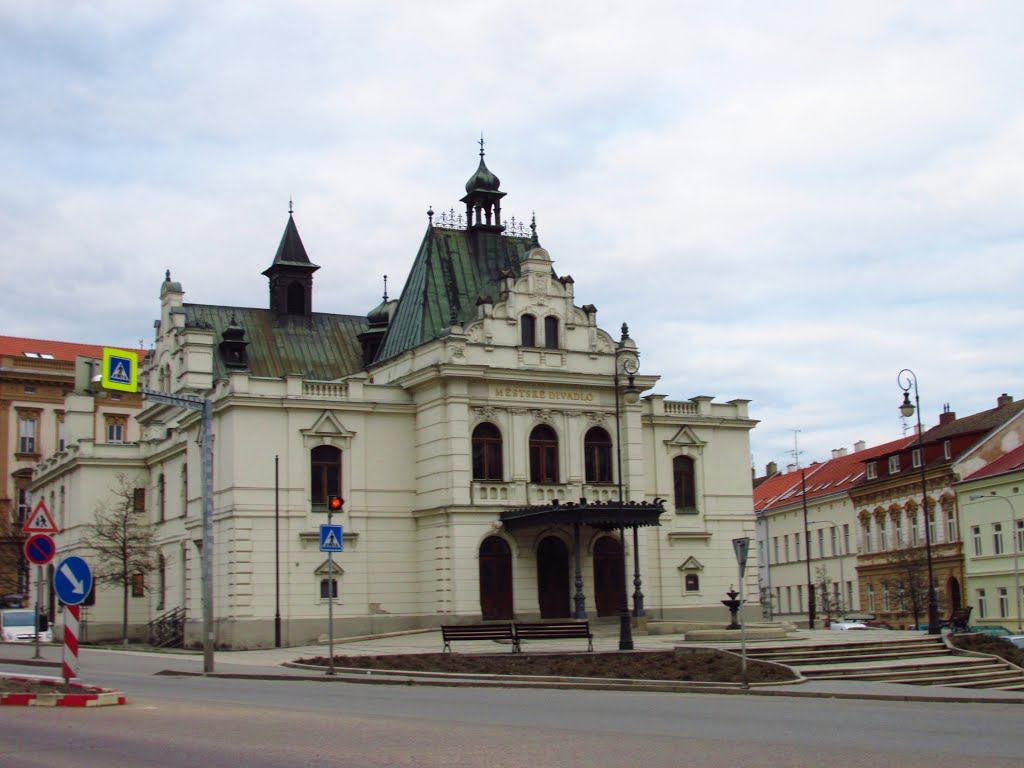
(534,242)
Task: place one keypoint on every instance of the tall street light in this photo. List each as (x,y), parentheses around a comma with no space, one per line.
(625,362)
(1016,548)
(907,379)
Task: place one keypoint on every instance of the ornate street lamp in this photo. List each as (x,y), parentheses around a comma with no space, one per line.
(627,362)
(907,379)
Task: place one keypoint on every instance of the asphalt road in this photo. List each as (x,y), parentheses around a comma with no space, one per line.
(189,721)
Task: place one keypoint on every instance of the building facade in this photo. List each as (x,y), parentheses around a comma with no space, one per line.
(807,537)
(35,377)
(475,427)
(892,564)
(989,498)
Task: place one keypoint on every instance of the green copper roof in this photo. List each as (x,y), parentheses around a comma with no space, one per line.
(321,347)
(454,268)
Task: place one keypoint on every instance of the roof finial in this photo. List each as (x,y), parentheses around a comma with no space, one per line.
(167,276)
(481,143)
(290,209)
(534,242)
(430,215)
(385,287)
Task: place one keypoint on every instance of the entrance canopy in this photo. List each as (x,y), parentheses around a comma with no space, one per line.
(605,515)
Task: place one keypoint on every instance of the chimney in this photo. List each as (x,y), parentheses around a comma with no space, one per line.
(859,446)
(838,453)
(771,469)
(1003,399)
(947,415)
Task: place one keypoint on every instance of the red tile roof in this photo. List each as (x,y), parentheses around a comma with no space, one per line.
(1010,462)
(60,350)
(822,479)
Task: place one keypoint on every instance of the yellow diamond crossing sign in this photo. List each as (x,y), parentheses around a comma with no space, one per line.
(120,370)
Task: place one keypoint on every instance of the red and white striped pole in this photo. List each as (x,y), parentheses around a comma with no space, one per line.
(72,614)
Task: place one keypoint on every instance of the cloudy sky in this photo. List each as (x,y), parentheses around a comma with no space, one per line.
(788,202)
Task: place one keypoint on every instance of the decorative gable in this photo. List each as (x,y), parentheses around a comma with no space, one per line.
(686,438)
(691,564)
(327,430)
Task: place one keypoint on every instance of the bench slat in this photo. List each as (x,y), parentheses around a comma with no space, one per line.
(553,630)
(460,632)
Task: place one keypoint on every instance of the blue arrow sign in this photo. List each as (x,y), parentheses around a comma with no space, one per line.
(72,580)
(331,539)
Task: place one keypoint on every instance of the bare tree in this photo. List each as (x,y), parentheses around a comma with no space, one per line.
(830,602)
(124,542)
(910,567)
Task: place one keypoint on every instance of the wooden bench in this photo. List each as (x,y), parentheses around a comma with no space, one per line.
(466,632)
(958,619)
(554,630)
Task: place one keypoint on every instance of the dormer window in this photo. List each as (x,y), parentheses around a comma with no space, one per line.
(915,458)
(894,465)
(947,450)
(872,470)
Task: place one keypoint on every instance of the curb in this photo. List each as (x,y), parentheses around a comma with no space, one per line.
(391,677)
(91,695)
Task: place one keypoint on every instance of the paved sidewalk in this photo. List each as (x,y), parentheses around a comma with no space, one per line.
(268,663)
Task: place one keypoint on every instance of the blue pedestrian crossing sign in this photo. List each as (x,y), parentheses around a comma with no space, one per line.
(72,580)
(120,370)
(331,539)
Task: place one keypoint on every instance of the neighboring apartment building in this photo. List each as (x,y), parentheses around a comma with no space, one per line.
(992,515)
(35,377)
(892,563)
(463,424)
(827,543)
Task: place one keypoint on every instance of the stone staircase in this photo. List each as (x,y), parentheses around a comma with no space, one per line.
(918,661)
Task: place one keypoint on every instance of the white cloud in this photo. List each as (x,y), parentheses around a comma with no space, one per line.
(787,203)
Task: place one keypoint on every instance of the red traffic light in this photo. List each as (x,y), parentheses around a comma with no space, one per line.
(334,503)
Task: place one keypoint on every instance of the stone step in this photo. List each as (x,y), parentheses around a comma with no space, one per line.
(906,672)
(849,657)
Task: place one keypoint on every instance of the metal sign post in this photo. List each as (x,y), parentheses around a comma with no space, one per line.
(742,548)
(205,407)
(120,371)
(331,539)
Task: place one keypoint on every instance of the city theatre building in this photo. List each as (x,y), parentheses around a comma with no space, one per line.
(470,426)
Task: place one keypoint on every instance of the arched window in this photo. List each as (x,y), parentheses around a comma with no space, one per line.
(597,455)
(528,330)
(487,452)
(325,466)
(551,332)
(683,480)
(543,455)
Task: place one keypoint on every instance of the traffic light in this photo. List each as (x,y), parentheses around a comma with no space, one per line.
(334,503)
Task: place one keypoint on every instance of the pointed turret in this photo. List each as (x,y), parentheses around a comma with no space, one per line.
(291,275)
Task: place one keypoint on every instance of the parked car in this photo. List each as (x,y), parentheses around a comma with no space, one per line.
(1017,640)
(840,626)
(993,631)
(18,625)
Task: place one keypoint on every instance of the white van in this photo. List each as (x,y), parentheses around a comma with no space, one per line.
(18,625)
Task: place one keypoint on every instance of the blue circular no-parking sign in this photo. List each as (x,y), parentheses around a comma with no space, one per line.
(72,580)
(40,549)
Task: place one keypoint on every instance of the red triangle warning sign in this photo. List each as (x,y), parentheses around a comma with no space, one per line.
(40,521)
